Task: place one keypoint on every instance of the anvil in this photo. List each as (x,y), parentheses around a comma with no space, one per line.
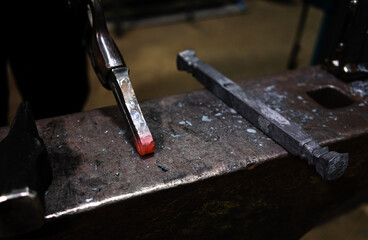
(213,174)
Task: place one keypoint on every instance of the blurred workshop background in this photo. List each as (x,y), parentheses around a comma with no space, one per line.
(242,39)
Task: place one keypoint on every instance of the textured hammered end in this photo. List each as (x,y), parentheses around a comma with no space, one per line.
(144,145)
(332,165)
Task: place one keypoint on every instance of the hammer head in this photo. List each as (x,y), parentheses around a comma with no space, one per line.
(21,211)
(25,174)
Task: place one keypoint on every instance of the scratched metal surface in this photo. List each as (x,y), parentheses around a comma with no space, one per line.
(197,137)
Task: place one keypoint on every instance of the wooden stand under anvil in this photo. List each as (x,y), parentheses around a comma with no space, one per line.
(213,175)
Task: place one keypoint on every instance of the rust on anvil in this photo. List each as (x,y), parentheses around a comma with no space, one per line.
(226,179)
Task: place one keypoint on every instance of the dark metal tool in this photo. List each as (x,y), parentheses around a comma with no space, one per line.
(346,42)
(25,175)
(113,74)
(330,165)
(293,58)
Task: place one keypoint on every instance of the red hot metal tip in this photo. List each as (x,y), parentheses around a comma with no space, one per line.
(144,145)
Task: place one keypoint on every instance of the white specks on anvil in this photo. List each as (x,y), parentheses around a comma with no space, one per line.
(206,119)
(359,88)
(302,99)
(269,88)
(250,130)
(122,132)
(185,123)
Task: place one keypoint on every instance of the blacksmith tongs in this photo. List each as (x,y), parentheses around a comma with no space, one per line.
(113,74)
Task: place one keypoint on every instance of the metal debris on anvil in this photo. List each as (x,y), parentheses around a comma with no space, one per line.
(163,167)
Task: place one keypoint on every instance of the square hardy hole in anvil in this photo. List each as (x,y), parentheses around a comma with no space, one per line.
(330,97)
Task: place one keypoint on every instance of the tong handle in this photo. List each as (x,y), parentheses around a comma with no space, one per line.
(102,49)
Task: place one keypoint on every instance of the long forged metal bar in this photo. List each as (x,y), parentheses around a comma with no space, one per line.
(129,106)
(329,164)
